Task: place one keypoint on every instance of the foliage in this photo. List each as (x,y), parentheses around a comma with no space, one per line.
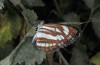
(10,26)
(96,22)
(79,56)
(15,2)
(30,15)
(31,3)
(1,5)
(18,15)
(6,61)
(71,17)
(96,59)
(25,51)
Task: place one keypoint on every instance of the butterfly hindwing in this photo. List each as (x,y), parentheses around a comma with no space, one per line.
(53,36)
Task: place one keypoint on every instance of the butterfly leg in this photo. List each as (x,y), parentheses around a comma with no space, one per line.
(62,58)
(34,38)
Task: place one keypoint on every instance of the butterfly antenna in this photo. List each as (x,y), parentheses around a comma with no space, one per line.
(44,12)
(89,20)
(84,27)
(50,13)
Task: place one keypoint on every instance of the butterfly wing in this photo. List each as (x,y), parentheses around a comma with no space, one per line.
(46,38)
(53,36)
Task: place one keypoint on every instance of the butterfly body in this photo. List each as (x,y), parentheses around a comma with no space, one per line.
(49,37)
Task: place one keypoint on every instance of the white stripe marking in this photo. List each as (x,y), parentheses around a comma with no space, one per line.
(66,30)
(39,44)
(46,27)
(47,44)
(61,36)
(57,30)
(49,28)
(58,37)
(42,30)
(47,36)
(43,44)
(51,44)
(54,44)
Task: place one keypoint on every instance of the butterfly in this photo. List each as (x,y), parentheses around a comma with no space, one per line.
(50,37)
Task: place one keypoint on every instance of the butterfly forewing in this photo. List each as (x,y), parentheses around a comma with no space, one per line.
(52,36)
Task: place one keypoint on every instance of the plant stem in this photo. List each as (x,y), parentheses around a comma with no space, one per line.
(63,59)
(87,22)
(57,7)
(49,58)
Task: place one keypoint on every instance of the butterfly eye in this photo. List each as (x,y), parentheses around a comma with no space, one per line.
(50,37)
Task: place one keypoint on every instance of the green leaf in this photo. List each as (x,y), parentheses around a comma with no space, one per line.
(72,17)
(16,23)
(79,56)
(30,15)
(26,51)
(96,59)
(5,51)
(31,3)
(6,61)
(5,34)
(93,4)
(10,26)
(15,2)
(96,23)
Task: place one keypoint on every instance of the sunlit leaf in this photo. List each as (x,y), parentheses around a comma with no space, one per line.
(96,23)
(5,34)
(96,59)
(10,27)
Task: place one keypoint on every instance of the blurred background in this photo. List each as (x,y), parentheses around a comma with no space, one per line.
(17,17)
